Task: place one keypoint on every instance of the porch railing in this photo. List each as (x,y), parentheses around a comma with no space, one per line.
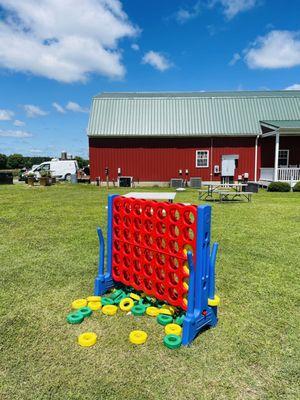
(284,174)
(288,174)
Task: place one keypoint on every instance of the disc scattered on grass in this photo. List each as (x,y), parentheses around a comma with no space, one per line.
(138,310)
(173,329)
(106,301)
(94,305)
(135,296)
(87,339)
(109,309)
(172,341)
(152,311)
(94,298)
(79,303)
(138,337)
(163,319)
(75,318)
(165,311)
(126,304)
(85,311)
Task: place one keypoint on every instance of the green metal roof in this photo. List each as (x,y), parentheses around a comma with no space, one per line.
(190,114)
(287,124)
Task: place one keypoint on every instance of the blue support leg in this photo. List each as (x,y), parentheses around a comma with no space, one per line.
(104,281)
(199,314)
(212,280)
(212,273)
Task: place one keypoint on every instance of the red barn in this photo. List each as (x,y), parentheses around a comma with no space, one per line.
(153,137)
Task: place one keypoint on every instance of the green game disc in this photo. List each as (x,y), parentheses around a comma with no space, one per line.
(172,341)
(138,310)
(75,318)
(118,299)
(116,294)
(164,319)
(145,304)
(85,311)
(179,320)
(105,301)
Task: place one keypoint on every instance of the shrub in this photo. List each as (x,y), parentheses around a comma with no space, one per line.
(296,188)
(279,187)
(45,174)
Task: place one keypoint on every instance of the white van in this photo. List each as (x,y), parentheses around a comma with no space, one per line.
(60,169)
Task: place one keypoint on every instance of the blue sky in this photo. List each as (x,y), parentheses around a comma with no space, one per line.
(54,57)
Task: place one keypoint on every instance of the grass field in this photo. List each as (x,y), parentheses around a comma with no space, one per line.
(49,250)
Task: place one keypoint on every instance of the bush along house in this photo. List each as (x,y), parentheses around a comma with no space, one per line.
(217,136)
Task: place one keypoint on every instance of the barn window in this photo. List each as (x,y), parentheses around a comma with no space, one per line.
(202,158)
(283,158)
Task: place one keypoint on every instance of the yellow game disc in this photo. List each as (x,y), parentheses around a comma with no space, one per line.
(152,311)
(126,304)
(135,296)
(94,298)
(109,309)
(173,329)
(94,305)
(87,339)
(168,307)
(186,269)
(79,303)
(165,311)
(138,337)
(214,302)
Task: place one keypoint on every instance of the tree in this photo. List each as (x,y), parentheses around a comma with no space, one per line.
(3,161)
(36,160)
(81,162)
(15,161)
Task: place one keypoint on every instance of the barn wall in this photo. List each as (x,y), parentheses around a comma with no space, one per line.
(291,143)
(159,159)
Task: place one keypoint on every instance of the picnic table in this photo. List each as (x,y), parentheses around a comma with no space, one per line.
(226,195)
(215,186)
(169,196)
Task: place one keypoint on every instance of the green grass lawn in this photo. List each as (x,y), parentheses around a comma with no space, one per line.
(48,257)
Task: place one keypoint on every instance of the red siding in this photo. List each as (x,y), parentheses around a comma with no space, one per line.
(159,159)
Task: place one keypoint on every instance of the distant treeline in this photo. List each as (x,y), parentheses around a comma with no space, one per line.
(19,161)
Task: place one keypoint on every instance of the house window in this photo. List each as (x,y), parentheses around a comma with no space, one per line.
(283,158)
(202,158)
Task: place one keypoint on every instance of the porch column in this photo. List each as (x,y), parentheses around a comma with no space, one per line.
(276,156)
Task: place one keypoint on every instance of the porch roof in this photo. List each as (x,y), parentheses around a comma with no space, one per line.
(283,127)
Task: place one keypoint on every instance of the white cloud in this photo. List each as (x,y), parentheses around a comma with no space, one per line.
(34,111)
(36,151)
(17,122)
(296,86)
(75,107)
(185,14)
(135,46)
(14,134)
(277,49)
(58,108)
(59,40)
(233,7)
(6,115)
(235,58)
(156,60)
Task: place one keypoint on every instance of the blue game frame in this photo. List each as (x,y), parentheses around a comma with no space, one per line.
(201,279)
